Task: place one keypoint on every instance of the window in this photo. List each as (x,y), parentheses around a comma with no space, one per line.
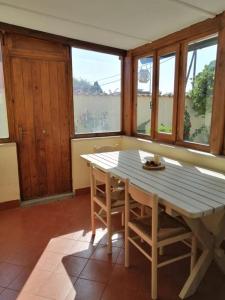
(199,86)
(144,94)
(166,94)
(4,131)
(96,92)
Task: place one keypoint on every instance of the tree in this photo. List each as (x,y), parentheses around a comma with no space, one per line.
(81,85)
(187,125)
(84,86)
(202,91)
(96,89)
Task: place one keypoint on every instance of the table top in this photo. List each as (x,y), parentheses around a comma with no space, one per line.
(190,190)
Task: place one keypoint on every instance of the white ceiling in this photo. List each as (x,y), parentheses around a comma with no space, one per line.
(123,24)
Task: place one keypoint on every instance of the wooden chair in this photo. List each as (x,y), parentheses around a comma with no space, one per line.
(116,184)
(157,230)
(107,200)
(106,148)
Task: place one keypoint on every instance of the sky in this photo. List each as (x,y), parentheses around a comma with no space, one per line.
(106,69)
(95,66)
(167,67)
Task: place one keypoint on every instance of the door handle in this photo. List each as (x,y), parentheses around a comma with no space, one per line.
(44,131)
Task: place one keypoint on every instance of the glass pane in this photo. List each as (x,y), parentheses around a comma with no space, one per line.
(201,62)
(144,95)
(4,131)
(96,91)
(166,92)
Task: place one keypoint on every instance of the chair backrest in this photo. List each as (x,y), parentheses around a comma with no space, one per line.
(146,199)
(100,182)
(99,175)
(99,149)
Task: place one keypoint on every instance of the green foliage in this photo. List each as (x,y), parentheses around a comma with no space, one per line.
(202,130)
(187,125)
(143,128)
(164,128)
(201,93)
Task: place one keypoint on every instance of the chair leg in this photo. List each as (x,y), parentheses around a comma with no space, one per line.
(161,251)
(154,272)
(109,233)
(93,217)
(193,252)
(127,247)
(122,219)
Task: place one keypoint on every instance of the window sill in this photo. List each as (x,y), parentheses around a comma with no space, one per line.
(90,135)
(177,152)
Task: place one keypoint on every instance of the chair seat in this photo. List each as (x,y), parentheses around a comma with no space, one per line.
(168,227)
(116,183)
(117,199)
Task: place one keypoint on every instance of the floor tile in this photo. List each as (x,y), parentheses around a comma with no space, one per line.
(82,249)
(97,270)
(117,240)
(8,272)
(8,295)
(35,281)
(57,286)
(86,289)
(61,245)
(18,283)
(72,265)
(29,296)
(101,253)
(132,278)
(47,251)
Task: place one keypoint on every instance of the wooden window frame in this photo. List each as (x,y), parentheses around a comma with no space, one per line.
(70,42)
(5,64)
(217,133)
(135,81)
(183,37)
(181,103)
(108,133)
(159,136)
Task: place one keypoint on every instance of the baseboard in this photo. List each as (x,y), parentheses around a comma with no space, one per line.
(82,191)
(9,204)
(45,200)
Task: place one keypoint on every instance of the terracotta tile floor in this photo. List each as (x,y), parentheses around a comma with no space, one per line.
(47,252)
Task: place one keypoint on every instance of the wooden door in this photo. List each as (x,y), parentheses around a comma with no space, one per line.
(40,93)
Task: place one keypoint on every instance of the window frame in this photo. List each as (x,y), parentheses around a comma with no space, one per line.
(159,136)
(181,103)
(135,80)
(181,65)
(5,64)
(99,134)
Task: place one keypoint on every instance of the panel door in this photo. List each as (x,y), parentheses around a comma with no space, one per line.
(42,129)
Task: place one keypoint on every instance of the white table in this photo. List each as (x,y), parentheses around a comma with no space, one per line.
(191,191)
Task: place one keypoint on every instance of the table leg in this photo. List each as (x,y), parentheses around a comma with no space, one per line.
(204,261)
(219,255)
(197,274)
(219,258)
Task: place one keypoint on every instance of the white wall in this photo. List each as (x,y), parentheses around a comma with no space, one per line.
(82,146)
(80,171)
(9,179)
